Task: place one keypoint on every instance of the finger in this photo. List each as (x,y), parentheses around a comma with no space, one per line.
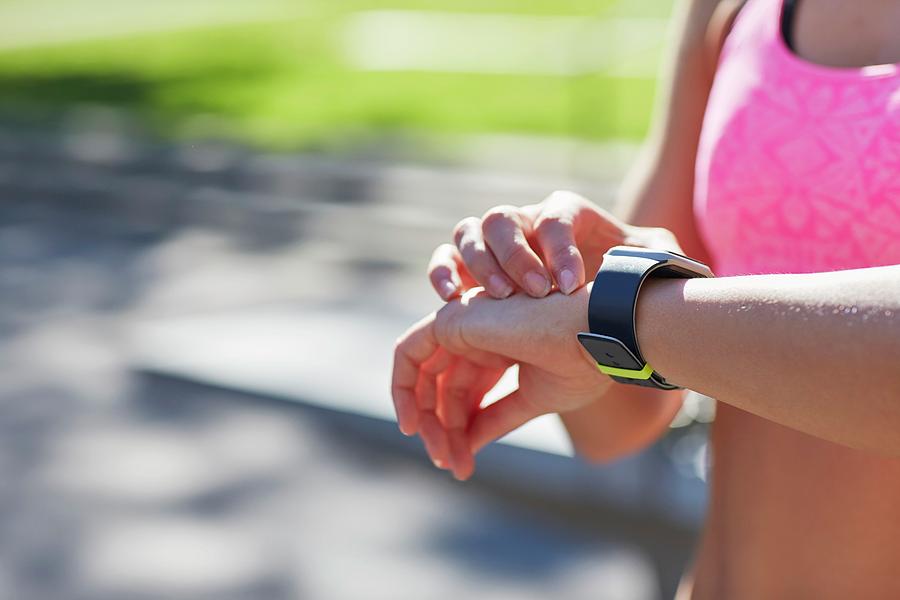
(464,458)
(463,461)
(455,386)
(506,231)
(461,389)
(431,430)
(479,260)
(497,419)
(412,349)
(427,382)
(554,233)
(456,404)
(448,273)
(556,240)
(444,272)
(434,437)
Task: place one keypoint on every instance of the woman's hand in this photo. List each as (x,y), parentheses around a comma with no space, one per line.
(535,247)
(445,363)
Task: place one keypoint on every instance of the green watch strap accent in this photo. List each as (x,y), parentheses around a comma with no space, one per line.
(644,373)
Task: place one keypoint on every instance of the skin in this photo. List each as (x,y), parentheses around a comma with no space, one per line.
(714,336)
(806,477)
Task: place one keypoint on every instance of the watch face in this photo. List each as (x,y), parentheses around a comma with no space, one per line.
(609,352)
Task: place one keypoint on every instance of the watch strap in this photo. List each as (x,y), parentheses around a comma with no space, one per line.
(611,310)
(611,307)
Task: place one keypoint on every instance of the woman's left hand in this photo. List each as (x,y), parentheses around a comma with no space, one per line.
(445,363)
(559,240)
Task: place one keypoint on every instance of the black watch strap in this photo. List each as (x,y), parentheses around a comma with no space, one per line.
(611,311)
(611,306)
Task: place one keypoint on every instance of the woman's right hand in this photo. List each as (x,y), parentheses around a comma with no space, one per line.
(445,363)
(535,247)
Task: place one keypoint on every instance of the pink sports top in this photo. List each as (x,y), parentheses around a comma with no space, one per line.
(798,167)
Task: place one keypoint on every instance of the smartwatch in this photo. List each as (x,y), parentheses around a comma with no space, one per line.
(612,340)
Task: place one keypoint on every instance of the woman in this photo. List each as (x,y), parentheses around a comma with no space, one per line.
(776,160)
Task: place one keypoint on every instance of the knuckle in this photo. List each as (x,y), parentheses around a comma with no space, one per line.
(474,254)
(556,195)
(460,229)
(469,246)
(498,218)
(398,350)
(550,226)
(504,211)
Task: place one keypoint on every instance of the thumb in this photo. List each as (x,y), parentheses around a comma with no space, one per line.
(497,419)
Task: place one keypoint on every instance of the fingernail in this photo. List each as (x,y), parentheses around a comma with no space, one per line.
(536,283)
(447,289)
(499,287)
(440,464)
(567,281)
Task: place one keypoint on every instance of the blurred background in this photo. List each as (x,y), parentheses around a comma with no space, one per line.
(215,217)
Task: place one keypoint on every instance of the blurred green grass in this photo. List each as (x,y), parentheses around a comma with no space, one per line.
(280,82)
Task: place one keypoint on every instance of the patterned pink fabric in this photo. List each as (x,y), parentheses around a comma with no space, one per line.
(798,168)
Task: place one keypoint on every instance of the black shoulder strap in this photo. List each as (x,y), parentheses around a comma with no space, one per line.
(788,16)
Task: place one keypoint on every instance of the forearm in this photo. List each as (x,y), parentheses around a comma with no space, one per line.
(624,420)
(819,353)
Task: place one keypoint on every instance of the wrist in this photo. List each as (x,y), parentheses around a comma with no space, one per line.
(659,312)
(580,321)
(626,276)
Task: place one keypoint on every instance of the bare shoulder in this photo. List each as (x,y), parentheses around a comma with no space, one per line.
(718,27)
(659,189)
